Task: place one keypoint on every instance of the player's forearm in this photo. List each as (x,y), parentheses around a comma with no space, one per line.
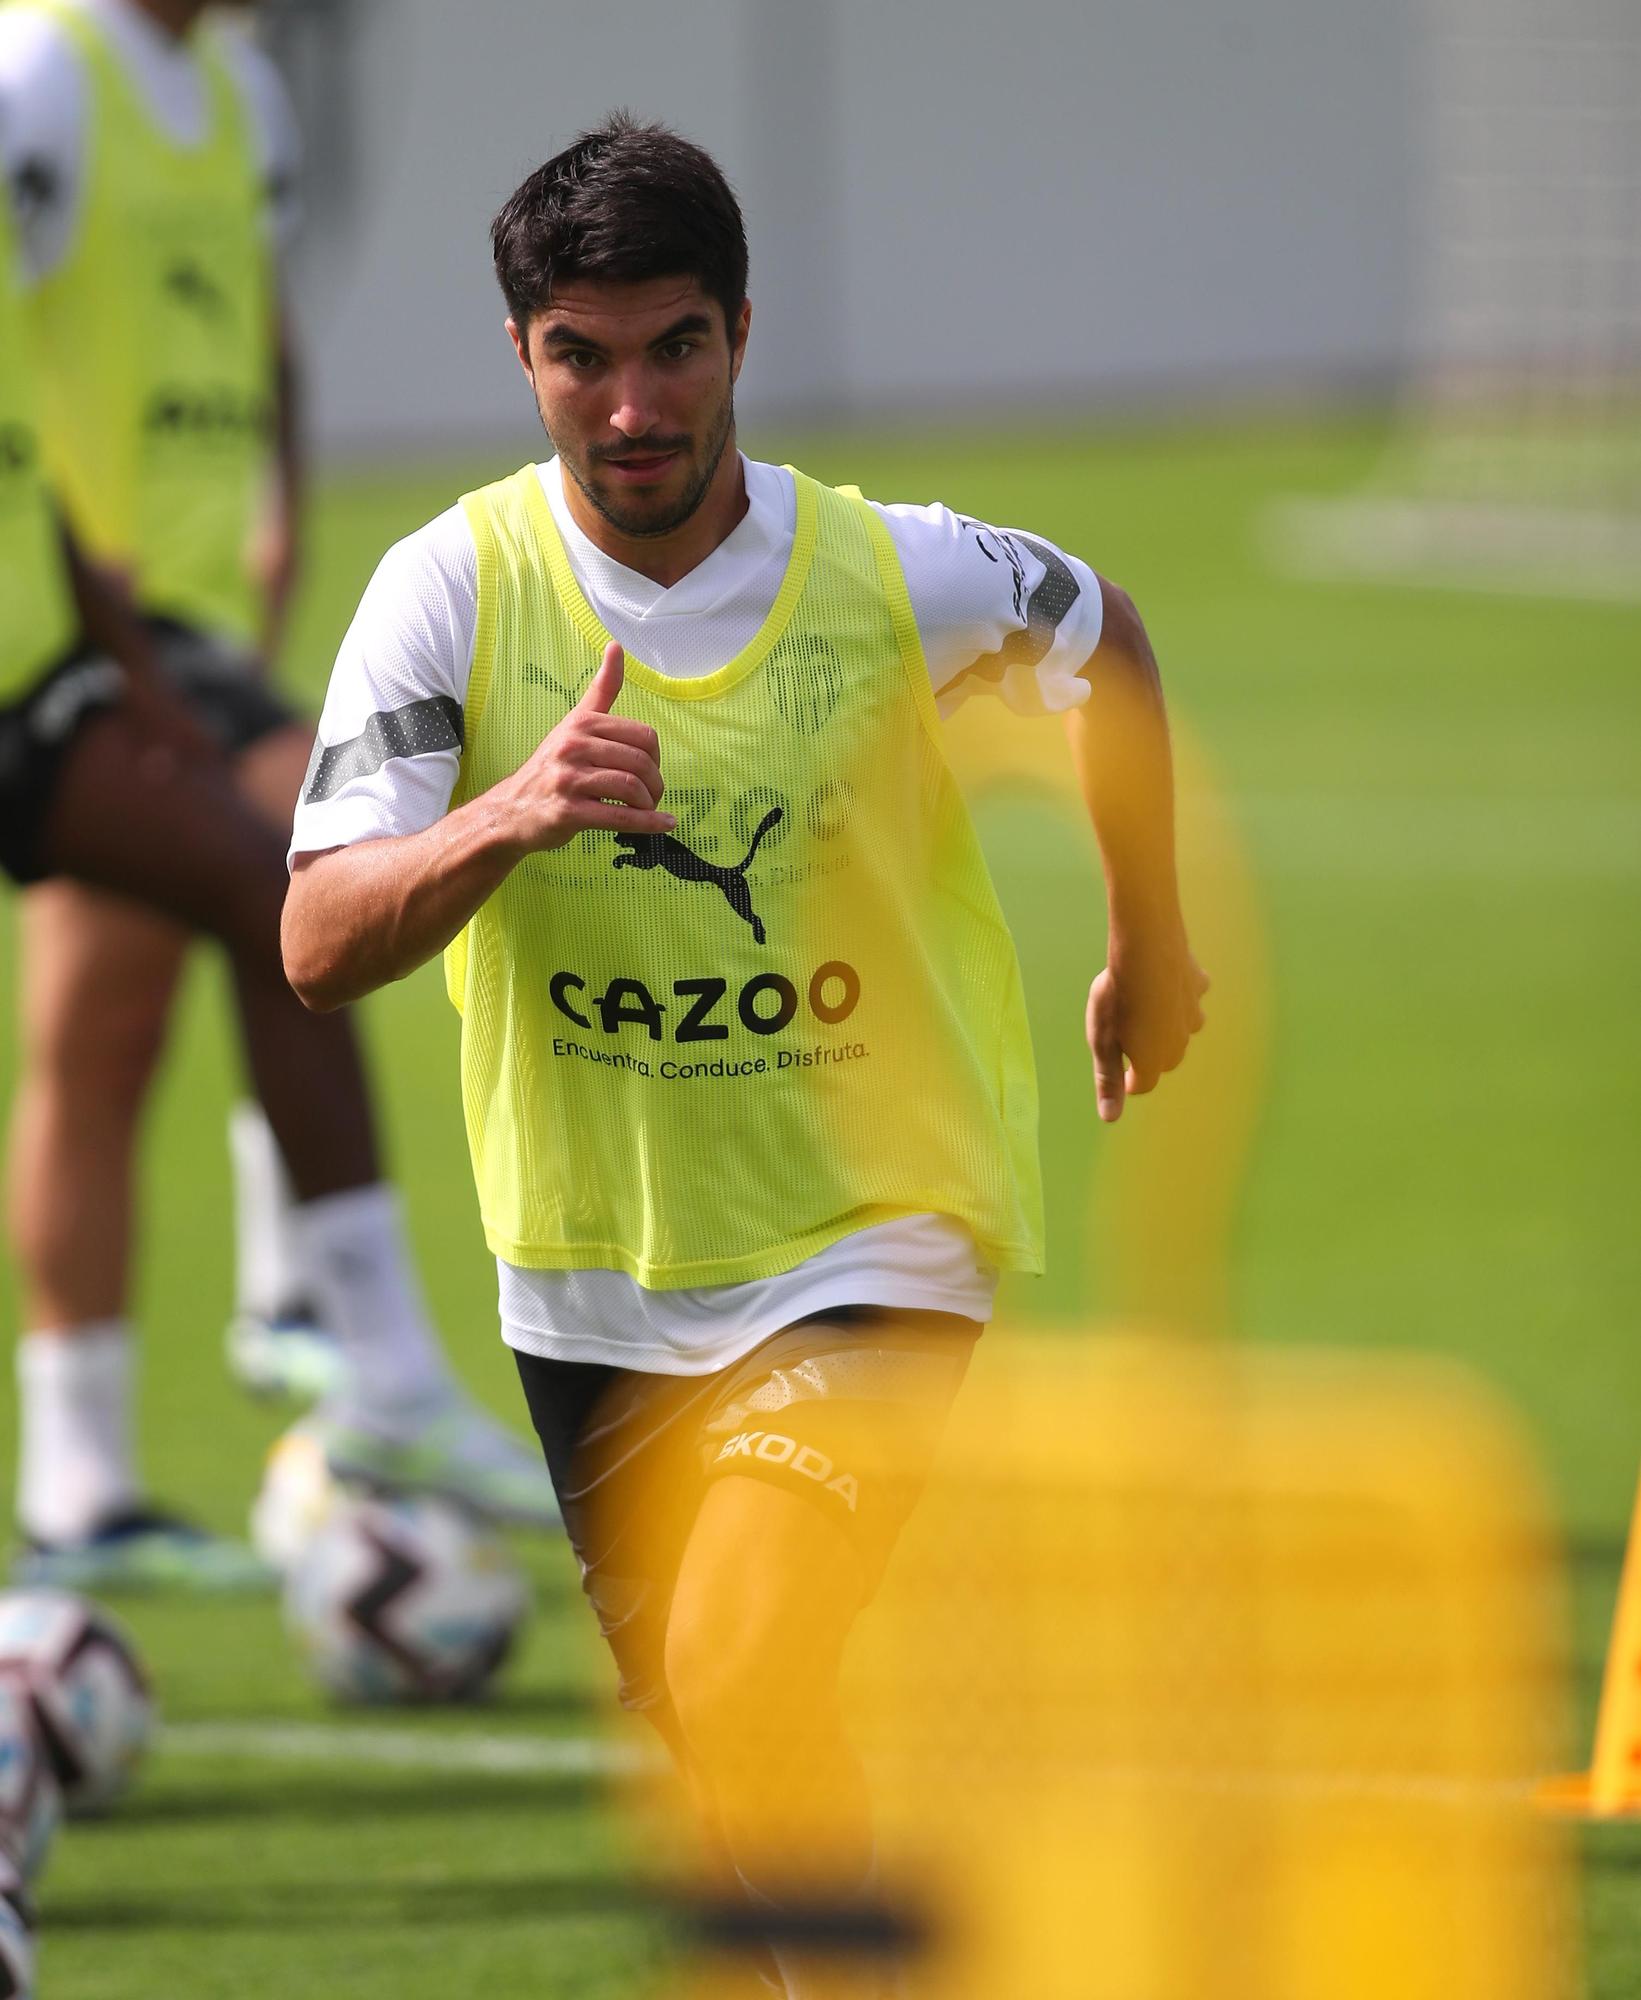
(363,916)
(358,917)
(1119,740)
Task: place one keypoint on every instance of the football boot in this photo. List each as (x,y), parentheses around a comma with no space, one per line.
(143,1549)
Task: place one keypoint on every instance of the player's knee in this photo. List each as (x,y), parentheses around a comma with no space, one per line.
(100,1050)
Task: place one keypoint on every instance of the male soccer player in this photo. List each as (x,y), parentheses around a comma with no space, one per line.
(645,738)
(105,777)
(149,154)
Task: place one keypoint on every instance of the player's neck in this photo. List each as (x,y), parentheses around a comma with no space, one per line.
(665,559)
(176,17)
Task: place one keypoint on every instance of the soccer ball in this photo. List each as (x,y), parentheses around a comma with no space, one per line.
(30,1803)
(297,1496)
(403,1599)
(79,1671)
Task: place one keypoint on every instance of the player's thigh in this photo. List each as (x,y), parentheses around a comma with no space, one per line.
(266,741)
(269,772)
(96,981)
(173,836)
(768,1587)
(811,1455)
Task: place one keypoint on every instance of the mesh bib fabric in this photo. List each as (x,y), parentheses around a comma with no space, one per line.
(700,1057)
(37,618)
(155,339)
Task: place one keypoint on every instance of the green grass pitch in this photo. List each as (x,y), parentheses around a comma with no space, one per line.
(1441,796)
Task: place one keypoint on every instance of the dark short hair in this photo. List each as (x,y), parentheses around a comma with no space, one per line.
(627,202)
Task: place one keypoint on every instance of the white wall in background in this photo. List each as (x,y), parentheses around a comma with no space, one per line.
(1056,201)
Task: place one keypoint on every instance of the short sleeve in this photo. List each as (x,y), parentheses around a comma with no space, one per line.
(42,127)
(390,735)
(998,610)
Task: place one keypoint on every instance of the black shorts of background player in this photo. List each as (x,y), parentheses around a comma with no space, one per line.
(193,702)
(107,778)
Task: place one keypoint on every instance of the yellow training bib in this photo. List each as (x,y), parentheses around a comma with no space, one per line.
(37,615)
(155,338)
(701,1057)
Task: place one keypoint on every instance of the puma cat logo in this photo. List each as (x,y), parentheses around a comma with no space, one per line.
(665,850)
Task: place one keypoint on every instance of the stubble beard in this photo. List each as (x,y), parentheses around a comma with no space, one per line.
(641,527)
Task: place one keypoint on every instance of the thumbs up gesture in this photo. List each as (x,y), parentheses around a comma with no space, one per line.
(596,769)
(605,685)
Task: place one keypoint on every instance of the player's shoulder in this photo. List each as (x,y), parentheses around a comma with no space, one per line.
(931,527)
(31,33)
(37,52)
(1003,600)
(920,530)
(955,558)
(412,633)
(435,561)
(42,120)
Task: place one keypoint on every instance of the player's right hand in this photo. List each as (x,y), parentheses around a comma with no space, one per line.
(1142,1011)
(596,769)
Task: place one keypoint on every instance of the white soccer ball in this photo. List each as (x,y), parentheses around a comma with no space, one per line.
(30,1802)
(298,1494)
(79,1670)
(403,1599)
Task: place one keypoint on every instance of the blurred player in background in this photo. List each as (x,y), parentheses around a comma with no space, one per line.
(105,777)
(749,1086)
(152,161)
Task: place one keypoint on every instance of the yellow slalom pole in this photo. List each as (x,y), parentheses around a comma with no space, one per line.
(1611,1788)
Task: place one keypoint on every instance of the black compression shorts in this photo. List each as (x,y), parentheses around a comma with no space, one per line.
(844,1409)
(221,685)
(37,731)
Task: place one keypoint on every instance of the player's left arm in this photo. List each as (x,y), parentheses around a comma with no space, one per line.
(1146,1004)
(1006,614)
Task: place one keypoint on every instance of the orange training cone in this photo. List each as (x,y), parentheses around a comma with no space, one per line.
(1612,1785)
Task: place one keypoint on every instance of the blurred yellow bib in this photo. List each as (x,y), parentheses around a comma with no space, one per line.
(700,1057)
(37,616)
(155,338)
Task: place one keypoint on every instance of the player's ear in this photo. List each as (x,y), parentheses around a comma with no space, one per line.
(521,347)
(737,339)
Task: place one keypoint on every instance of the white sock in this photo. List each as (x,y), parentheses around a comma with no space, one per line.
(76,1465)
(269,1280)
(353,1248)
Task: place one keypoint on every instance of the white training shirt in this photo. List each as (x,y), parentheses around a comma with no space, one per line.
(996,610)
(45,105)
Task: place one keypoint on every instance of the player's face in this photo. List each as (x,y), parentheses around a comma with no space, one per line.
(636,387)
